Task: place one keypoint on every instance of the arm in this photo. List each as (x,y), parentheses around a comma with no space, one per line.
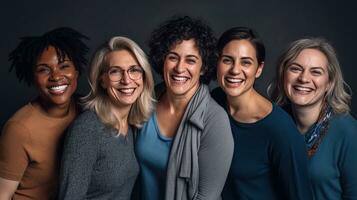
(79,156)
(214,156)
(289,158)
(7,188)
(349,164)
(13,157)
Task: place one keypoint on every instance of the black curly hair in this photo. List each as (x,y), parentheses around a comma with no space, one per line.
(66,41)
(174,31)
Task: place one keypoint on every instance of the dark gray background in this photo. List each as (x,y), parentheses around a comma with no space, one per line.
(278,22)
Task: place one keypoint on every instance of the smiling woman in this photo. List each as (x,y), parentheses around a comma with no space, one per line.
(269,160)
(309,84)
(31,138)
(98,159)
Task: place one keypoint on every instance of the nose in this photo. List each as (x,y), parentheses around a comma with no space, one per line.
(304,77)
(56,75)
(125,79)
(180,66)
(236,68)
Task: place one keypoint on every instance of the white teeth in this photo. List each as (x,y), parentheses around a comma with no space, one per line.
(58,88)
(305,89)
(127,90)
(234,80)
(179,78)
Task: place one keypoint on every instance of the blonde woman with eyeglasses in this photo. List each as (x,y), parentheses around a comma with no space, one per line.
(98,159)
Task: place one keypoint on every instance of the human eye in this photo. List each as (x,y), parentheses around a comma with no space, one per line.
(42,69)
(246,62)
(316,72)
(172,58)
(294,68)
(136,69)
(226,61)
(191,61)
(114,71)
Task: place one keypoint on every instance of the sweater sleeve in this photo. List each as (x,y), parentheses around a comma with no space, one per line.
(79,156)
(214,156)
(13,155)
(289,159)
(349,162)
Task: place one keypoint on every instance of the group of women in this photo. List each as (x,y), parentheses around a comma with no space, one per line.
(125,141)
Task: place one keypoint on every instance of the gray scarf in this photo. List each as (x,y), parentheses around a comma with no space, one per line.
(183,170)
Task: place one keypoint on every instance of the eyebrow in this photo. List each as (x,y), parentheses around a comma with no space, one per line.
(190,55)
(242,58)
(318,67)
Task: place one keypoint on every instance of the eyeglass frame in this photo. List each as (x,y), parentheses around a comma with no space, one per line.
(128,71)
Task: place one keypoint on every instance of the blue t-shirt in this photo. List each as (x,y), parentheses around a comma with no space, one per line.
(152,151)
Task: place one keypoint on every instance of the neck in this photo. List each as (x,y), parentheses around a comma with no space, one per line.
(248,107)
(52,110)
(305,116)
(121,113)
(176,103)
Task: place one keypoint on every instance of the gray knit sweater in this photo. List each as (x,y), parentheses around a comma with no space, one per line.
(97,164)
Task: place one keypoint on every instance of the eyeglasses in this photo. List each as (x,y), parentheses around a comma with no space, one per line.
(134,73)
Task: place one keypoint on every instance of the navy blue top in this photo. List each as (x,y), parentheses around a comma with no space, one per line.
(333,168)
(152,151)
(269,161)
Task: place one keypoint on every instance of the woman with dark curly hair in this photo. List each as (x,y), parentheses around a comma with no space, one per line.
(31,139)
(269,160)
(186,147)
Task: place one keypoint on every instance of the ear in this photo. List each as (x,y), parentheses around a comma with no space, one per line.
(203,71)
(259,70)
(103,81)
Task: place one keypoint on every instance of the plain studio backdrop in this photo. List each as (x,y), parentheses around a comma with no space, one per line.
(278,22)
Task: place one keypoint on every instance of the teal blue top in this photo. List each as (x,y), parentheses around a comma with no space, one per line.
(152,151)
(333,168)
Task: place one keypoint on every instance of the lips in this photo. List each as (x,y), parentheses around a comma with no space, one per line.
(58,89)
(302,89)
(126,91)
(231,81)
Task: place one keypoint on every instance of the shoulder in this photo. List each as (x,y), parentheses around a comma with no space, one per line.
(215,111)
(346,126)
(282,127)
(86,123)
(219,96)
(17,124)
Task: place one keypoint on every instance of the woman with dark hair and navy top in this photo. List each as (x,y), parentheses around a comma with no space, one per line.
(186,147)
(270,160)
(309,84)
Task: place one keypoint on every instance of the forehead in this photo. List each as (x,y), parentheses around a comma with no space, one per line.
(185,47)
(311,58)
(50,56)
(243,47)
(121,58)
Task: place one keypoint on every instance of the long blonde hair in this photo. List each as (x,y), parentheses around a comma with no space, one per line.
(98,100)
(337,97)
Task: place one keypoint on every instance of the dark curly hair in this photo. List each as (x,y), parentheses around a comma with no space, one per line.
(243,33)
(177,29)
(66,41)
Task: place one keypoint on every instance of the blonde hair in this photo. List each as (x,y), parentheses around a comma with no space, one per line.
(98,100)
(337,97)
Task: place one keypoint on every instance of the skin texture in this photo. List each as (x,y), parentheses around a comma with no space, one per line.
(182,70)
(122,93)
(51,73)
(7,188)
(237,70)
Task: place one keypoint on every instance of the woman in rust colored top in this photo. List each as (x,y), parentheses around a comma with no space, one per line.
(31,138)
